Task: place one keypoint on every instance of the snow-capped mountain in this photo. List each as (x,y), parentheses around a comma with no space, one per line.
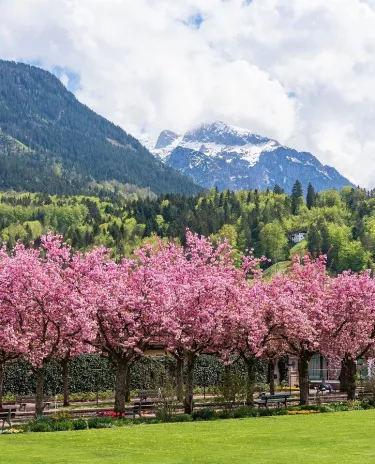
(228,157)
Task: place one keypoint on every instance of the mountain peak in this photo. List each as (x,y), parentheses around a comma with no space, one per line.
(224,134)
(165,138)
(226,156)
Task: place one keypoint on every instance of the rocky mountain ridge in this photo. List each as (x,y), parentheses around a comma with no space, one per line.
(229,157)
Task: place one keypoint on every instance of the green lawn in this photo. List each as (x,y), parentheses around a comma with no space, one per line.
(346,437)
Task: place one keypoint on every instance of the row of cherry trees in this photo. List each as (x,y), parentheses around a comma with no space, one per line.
(200,298)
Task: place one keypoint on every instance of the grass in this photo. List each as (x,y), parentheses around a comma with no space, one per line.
(333,438)
(298,249)
(281,267)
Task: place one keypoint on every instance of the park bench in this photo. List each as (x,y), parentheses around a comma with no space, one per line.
(147,400)
(266,400)
(22,401)
(6,415)
(145,394)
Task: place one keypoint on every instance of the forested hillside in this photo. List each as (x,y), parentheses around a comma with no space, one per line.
(341,224)
(50,142)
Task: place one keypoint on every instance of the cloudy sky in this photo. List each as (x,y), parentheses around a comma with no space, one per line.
(300,71)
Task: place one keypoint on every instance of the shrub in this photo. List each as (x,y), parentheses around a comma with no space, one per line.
(181,418)
(265,412)
(63,425)
(9,398)
(232,386)
(80,424)
(37,426)
(43,419)
(261,387)
(99,423)
(204,414)
(40,427)
(369,387)
(310,407)
(106,395)
(40,424)
(82,396)
(224,414)
(245,411)
(61,416)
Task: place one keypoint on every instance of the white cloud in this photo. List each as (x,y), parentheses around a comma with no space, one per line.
(147,66)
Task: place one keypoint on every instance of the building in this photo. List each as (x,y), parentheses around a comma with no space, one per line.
(297,237)
(319,368)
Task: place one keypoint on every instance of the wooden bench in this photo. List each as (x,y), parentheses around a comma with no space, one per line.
(145,394)
(266,400)
(147,400)
(22,401)
(6,415)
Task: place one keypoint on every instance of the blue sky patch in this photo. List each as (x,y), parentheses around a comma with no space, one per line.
(194,21)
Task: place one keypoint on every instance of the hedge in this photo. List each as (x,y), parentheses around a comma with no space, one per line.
(94,372)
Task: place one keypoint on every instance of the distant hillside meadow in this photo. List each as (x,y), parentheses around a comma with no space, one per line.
(340,224)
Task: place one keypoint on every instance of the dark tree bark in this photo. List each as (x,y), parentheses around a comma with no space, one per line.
(1,384)
(180,378)
(303,374)
(189,388)
(65,375)
(349,381)
(342,377)
(120,385)
(271,373)
(127,389)
(39,397)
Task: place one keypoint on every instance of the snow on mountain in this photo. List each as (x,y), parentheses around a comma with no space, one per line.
(225,156)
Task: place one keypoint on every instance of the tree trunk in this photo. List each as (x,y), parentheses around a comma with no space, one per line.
(180,379)
(303,374)
(343,377)
(120,385)
(1,385)
(350,377)
(271,373)
(39,397)
(127,389)
(65,376)
(189,389)
(282,365)
(250,365)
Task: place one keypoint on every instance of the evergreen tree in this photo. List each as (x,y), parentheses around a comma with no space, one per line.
(311,196)
(278,190)
(297,194)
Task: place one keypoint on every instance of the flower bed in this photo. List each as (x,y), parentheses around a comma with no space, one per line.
(11,431)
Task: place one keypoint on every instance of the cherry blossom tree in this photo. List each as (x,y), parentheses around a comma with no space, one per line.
(297,314)
(125,301)
(351,302)
(70,265)
(13,344)
(45,301)
(204,285)
(245,333)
